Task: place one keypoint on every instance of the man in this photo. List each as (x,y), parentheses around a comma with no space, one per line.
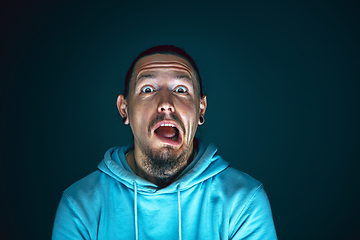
(167,185)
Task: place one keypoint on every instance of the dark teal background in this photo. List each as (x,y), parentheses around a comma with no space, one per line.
(282,80)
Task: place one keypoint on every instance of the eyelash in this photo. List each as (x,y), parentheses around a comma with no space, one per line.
(147,87)
(181,87)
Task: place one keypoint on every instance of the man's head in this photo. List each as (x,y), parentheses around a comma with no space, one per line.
(163,105)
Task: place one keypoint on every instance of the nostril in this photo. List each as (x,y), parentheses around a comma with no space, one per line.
(166,108)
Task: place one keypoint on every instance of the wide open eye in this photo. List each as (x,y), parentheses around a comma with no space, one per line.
(181,89)
(147,89)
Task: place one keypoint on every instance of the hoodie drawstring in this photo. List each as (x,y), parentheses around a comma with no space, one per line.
(179,207)
(135,211)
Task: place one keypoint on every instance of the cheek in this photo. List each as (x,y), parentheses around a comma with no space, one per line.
(137,114)
(191,109)
(190,113)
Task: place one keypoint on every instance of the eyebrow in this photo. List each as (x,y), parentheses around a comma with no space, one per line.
(176,77)
(182,77)
(145,76)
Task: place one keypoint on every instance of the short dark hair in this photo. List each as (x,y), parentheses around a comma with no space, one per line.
(162,49)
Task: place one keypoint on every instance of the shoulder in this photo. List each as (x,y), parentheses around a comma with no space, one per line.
(234,181)
(238,189)
(248,204)
(89,187)
(80,207)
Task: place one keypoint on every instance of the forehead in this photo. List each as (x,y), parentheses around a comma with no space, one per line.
(162,62)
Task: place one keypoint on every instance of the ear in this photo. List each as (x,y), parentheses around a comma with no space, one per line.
(203,105)
(122,107)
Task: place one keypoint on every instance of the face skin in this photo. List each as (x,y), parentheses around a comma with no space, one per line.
(163,90)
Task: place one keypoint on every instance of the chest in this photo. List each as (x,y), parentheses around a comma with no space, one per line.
(198,213)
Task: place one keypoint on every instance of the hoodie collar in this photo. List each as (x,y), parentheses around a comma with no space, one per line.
(205,165)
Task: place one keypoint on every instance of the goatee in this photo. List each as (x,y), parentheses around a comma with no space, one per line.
(163,165)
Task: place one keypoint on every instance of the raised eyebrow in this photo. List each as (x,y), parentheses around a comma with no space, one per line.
(146,76)
(177,77)
(186,77)
(182,77)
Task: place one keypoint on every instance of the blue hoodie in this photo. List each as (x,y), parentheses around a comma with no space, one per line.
(209,200)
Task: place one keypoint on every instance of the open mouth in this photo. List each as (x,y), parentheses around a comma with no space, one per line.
(168,132)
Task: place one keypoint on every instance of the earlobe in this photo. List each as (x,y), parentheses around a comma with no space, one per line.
(201,120)
(122,107)
(203,105)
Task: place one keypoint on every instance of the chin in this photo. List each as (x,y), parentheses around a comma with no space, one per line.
(166,152)
(163,163)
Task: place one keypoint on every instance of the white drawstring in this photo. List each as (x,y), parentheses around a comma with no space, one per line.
(179,207)
(135,210)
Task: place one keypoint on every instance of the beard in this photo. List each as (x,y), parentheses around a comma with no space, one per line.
(163,165)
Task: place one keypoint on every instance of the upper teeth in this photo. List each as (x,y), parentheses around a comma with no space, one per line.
(167,125)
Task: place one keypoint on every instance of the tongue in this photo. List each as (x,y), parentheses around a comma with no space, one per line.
(167,132)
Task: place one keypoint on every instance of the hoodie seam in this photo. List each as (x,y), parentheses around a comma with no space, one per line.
(246,205)
(75,210)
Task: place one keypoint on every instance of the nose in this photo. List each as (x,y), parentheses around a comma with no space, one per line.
(165,103)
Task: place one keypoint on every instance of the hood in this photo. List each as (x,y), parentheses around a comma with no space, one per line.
(205,165)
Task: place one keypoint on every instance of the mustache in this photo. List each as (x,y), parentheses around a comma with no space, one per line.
(159,118)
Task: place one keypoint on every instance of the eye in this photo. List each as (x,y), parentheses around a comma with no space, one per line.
(147,89)
(181,89)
